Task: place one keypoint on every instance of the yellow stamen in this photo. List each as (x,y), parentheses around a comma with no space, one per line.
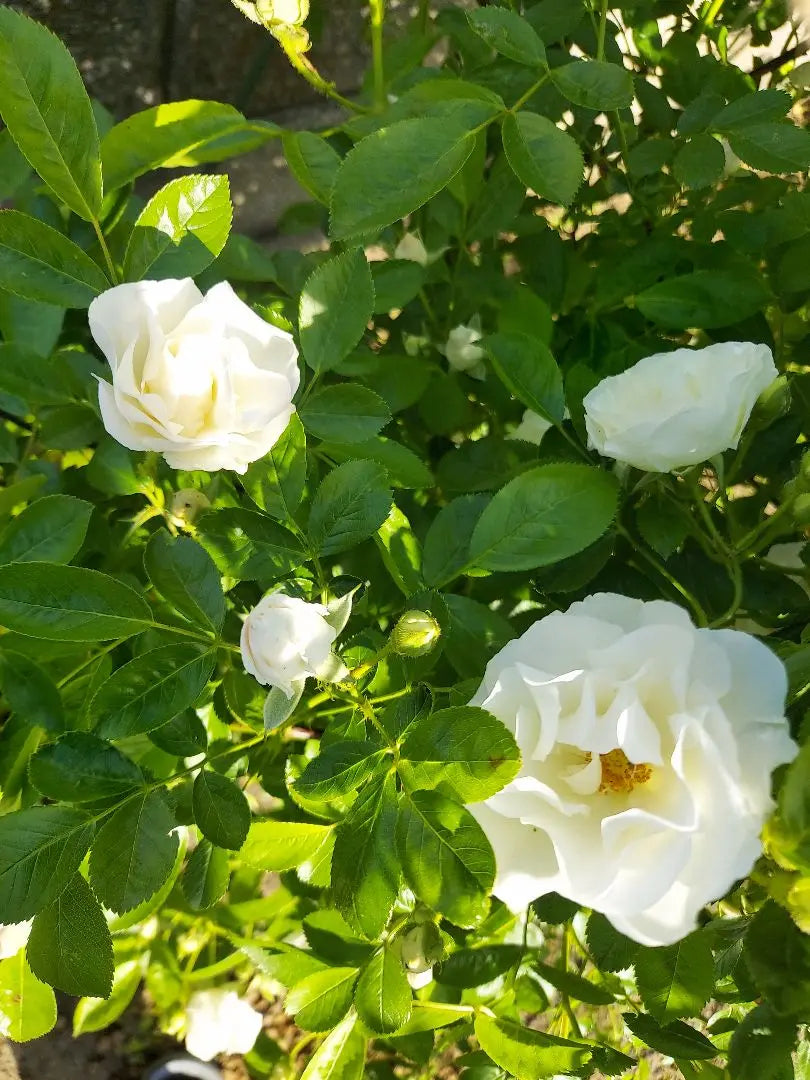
(619,774)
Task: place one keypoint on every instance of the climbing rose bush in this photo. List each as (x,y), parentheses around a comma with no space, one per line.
(405,635)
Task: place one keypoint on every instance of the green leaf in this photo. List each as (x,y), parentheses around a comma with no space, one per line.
(761,106)
(404,468)
(704,298)
(447,543)
(220,810)
(677,1039)
(283,845)
(396,283)
(475,967)
(345,413)
(700,163)
(544,515)
(70,945)
(46,108)
(778,956)
(350,505)
(95,1014)
(183,573)
(133,853)
(183,736)
(41,263)
(400,552)
(574,985)
(36,379)
(776,148)
(445,856)
(341,1056)
(41,849)
(322,999)
(528,1054)
(339,769)
(313,163)
(395,170)
(276,482)
(594,84)
(546,159)
(611,950)
(27,1006)
(69,603)
(383,997)
(80,767)
(166,135)
(30,693)
(336,303)
(181,230)
(249,546)
(365,872)
(149,690)
(509,35)
(676,980)
(761,1046)
(528,370)
(155,901)
(463,751)
(207,875)
(50,530)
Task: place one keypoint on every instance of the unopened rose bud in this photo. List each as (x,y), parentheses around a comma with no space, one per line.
(187,505)
(415,634)
(773,402)
(285,12)
(421,947)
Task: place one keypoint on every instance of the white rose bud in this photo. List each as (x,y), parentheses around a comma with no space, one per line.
(678,408)
(13,937)
(219,1022)
(531,428)
(647,748)
(200,379)
(286,12)
(186,506)
(415,634)
(285,640)
(463,354)
(412,249)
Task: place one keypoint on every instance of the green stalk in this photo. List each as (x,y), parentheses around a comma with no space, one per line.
(377,16)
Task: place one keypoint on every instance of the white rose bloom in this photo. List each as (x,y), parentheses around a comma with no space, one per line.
(463,354)
(284,640)
(531,428)
(678,408)
(648,747)
(219,1022)
(200,379)
(14,937)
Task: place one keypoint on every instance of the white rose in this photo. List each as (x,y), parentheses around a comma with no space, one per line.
(201,379)
(678,408)
(219,1022)
(463,354)
(14,937)
(285,640)
(531,428)
(648,747)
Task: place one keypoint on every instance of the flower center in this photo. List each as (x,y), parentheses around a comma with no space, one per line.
(619,774)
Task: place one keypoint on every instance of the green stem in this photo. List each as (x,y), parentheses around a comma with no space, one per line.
(710,13)
(659,568)
(521,101)
(106,252)
(219,967)
(564,998)
(377,15)
(424,15)
(86,663)
(600,45)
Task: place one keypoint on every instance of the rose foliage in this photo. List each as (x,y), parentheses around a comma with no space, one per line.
(412,637)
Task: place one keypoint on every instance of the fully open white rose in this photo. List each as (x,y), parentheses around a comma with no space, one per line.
(648,747)
(678,408)
(219,1022)
(285,640)
(201,379)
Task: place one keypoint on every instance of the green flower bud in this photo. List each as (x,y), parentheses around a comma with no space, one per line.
(187,505)
(421,947)
(284,12)
(415,634)
(773,402)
